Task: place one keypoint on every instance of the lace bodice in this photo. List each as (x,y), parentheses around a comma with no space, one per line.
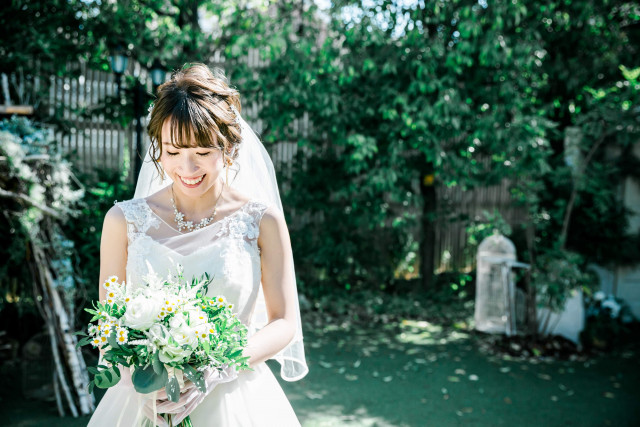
(227,250)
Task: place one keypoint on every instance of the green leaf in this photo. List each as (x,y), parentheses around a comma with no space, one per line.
(84,341)
(158,366)
(113,340)
(195,377)
(145,380)
(235,354)
(173,389)
(107,378)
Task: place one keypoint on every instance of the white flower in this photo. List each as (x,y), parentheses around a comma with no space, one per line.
(142,312)
(158,335)
(176,354)
(184,336)
(178,321)
(194,315)
(599,296)
(185,342)
(110,282)
(612,305)
(122,336)
(93,329)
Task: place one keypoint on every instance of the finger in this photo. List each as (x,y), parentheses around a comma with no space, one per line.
(188,410)
(148,412)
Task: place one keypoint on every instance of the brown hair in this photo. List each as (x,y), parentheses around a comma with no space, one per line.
(199,103)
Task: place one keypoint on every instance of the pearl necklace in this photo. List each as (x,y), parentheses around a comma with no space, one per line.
(179,216)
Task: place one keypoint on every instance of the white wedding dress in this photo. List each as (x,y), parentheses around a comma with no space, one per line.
(228,251)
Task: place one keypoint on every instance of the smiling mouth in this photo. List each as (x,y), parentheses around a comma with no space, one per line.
(192,181)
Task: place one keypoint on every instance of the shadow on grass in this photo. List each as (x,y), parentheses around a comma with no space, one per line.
(416,373)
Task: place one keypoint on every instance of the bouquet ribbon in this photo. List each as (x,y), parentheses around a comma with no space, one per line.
(142,399)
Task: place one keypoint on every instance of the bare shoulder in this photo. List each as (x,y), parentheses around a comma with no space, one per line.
(114,220)
(272,221)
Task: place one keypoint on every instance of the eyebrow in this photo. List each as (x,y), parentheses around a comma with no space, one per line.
(213,147)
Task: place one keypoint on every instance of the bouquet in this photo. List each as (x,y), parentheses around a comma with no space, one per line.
(164,331)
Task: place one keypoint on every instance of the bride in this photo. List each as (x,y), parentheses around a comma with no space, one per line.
(207,200)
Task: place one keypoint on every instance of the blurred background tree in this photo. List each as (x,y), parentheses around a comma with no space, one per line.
(403,100)
(407,99)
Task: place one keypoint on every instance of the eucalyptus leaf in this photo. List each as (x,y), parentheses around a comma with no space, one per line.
(173,389)
(113,340)
(106,378)
(158,366)
(145,380)
(195,377)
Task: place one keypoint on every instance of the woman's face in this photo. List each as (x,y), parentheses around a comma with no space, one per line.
(194,171)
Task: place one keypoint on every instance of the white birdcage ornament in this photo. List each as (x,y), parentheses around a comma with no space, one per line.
(495,310)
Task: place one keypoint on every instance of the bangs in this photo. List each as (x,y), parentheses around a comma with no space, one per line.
(192,126)
(196,110)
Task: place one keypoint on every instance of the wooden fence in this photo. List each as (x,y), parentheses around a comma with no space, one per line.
(96,142)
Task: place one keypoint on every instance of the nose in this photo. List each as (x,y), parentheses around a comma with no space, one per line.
(189,165)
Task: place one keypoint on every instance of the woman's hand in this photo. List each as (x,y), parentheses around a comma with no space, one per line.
(190,396)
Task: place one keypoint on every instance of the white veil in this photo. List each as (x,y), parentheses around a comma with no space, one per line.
(256,179)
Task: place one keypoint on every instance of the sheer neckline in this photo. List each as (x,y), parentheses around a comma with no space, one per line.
(210,225)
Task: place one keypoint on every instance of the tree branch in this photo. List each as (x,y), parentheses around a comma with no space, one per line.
(574,190)
(30,201)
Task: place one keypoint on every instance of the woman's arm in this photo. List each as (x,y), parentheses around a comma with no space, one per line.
(278,286)
(113,248)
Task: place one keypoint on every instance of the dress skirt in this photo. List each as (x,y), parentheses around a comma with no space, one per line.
(254,399)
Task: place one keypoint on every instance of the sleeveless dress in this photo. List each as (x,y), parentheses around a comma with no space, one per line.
(228,251)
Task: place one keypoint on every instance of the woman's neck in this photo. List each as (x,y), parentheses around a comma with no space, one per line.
(196,208)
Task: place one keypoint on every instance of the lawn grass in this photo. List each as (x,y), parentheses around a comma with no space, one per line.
(427,376)
(419,374)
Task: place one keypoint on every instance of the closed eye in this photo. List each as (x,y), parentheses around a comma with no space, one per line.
(171,154)
(204,154)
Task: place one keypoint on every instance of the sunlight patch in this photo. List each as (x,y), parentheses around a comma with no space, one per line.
(421,332)
(331,416)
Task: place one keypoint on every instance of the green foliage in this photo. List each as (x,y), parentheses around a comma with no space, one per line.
(463,93)
(40,37)
(39,193)
(86,230)
(450,301)
(390,105)
(608,322)
(467,94)
(479,229)
(558,272)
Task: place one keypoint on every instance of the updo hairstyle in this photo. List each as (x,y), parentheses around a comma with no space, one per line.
(198,102)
